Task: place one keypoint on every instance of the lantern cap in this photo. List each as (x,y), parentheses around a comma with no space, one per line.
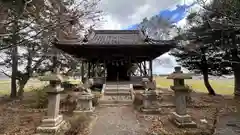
(184,88)
(178,74)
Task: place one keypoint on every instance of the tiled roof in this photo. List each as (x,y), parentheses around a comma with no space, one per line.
(119,37)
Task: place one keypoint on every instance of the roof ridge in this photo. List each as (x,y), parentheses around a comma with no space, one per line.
(116,31)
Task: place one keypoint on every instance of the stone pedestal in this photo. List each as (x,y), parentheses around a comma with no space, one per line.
(150,102)
(183,121)
(84,103)
(52,123)
(180,116)
(181,91)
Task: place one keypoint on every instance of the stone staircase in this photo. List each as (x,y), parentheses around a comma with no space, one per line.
(113,89)
(117,94)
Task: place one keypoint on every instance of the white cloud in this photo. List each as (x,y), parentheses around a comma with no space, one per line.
(123,13)
(187,2)
(141,12)
(110,23)
(182,22)
(127,12)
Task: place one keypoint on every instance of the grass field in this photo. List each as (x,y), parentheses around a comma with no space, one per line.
(224,87)
(5,86)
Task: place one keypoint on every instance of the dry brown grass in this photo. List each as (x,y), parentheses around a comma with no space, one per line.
(78,124)
(223,87)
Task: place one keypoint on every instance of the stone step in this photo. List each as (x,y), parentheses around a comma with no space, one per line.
(118,85)
(118,99)
(116,93)
(114,104)
(116,88)
(124,87)
(112,90)
(111,102)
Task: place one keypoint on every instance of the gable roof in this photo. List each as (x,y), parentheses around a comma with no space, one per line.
(116,37)
(115,44)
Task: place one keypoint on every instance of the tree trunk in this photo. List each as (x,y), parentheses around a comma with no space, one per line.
(15,38)
(207,84)
(22,84)
(14,62)
(204,68)
(235,65)
(14,73)
(237,81)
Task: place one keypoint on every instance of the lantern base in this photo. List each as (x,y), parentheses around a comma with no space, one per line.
(182,121)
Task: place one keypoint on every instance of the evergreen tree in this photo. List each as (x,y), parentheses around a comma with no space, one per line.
(206,59)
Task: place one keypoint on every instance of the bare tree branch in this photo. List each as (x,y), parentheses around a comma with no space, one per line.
(6,74)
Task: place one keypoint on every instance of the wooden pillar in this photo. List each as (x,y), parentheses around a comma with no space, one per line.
(145,68)
(89,68)
(151,73)
(105,77)
(140,68)
(93,71)
(82,71)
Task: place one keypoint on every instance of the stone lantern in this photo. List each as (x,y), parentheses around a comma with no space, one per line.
(84,99)
(151,102)
(84,103)
(180,116)
(52,123)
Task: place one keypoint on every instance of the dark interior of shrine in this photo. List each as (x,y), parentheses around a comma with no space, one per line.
(117,72)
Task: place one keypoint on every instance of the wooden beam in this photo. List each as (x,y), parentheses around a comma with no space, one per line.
(93,69)
(82,70)
(151,73)
(89,68)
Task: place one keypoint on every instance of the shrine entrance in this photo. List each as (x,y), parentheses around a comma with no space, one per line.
(117,72)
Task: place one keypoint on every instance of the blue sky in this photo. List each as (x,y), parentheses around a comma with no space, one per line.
(127,14)
(174,16)
(121,14)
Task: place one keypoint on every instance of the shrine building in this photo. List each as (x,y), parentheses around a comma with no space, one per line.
(118,51)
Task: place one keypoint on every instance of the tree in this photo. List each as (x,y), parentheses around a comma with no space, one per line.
(224,22)
(203,61)
(157,27)
(207,58)
(36,28)
(16,9)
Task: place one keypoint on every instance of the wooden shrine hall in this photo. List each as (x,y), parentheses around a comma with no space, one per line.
(118,51)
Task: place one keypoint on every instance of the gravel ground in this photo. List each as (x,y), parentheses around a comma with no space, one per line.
(228,125)
(120,120)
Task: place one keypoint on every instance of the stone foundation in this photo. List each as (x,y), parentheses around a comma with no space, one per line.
(182,121)
(150,102)
(84,111)
(56,126)
(151,110)
(84,104)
